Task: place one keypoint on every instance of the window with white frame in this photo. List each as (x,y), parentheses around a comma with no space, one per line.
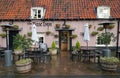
(37,12)
(105,38)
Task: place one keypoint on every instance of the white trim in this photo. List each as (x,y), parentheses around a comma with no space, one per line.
(38,8)
(102,45)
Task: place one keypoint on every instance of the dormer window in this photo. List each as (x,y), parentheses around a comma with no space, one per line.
(37,12)
(103,12)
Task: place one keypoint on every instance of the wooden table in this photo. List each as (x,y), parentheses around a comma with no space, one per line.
(89,52)
(35,54)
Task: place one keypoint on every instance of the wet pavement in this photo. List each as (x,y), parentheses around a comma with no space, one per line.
(60,65)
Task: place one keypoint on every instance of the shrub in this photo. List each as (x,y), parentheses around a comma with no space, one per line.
(77,46)
(53,46)
(110,60)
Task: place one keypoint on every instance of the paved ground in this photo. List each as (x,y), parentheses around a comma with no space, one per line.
(60,65)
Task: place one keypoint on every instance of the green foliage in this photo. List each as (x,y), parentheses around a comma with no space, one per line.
(100,28)
(74,36)
(3,35)
(53,46)
(29,34)
(110,60)
(48,32)
(77,46)
(23,61)
(94,33)
(21,42)
(106,37)
(111,26)
(90,26)
(16,26)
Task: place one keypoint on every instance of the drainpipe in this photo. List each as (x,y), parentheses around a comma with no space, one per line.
(117,44)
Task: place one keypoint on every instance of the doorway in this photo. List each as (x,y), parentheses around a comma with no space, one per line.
(11,36)
(64,40)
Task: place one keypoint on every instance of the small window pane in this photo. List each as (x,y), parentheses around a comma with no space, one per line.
(34,13)
(39,13)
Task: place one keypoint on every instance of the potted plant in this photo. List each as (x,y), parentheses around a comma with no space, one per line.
(16,26)
(94,33)
(76,52)
(23,65)
(100,28)
(57,26)
(109,63)
(53,49)
(20,43)
(56,36)
(29,34)
(3,35)
(77,46)
(90,26)
(111,26)
(67,26)
(48,32)
(106,39)
(74,36)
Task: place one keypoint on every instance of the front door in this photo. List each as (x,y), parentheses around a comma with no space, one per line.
(64,40)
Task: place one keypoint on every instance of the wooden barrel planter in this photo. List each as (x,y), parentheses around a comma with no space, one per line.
(109,67)
(24,67)
(109,63)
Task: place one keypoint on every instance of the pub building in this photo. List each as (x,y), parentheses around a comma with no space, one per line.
(61,21)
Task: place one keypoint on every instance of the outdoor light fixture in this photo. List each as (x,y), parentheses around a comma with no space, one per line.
(64,24)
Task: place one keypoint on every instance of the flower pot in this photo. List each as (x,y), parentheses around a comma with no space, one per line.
(23,68)
(53,52)
(109,67)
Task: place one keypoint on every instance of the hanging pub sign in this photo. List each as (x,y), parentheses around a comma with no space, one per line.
(41,23)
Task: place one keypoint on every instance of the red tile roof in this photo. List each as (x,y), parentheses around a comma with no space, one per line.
(56,9)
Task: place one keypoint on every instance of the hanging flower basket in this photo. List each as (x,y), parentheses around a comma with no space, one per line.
(90,26)
(3,35)
(16,27)
(56,36)
(94,33)
(57,26)
(29,34)
(48,32)
(100,28)
(67,26)
(74,36)
(111,26)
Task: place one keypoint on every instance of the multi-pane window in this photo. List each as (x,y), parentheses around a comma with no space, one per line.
(37,12)
(99,41)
